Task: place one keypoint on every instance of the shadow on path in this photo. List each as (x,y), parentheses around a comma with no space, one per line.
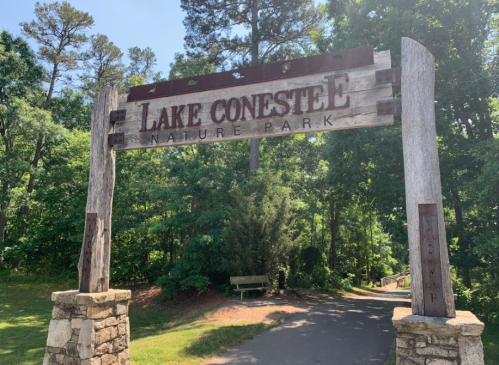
(356,330)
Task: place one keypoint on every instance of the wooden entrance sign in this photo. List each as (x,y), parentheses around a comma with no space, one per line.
(306,96)
(346,89)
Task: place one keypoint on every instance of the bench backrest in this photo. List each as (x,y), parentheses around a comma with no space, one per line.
(256,279)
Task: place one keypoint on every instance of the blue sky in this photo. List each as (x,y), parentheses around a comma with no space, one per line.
(127,23)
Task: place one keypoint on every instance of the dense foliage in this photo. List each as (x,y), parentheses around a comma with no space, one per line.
(462,35)
(327,208)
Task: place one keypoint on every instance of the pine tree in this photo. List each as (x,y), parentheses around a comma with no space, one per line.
(103,66)
(60,31)
(275,30)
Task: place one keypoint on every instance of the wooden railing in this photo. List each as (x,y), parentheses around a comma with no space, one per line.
(397,278)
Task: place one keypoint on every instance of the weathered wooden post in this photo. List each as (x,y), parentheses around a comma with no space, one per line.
(96,247)
(90,326)
(422,181)
(430,333)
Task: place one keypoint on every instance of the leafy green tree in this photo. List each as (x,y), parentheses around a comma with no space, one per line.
(261,228)
(60,31)
(103,66)
(71,110)
(20,119)
(183,66)
(171,222)
(55,229)
(458,34)
(269,26)
(142,62)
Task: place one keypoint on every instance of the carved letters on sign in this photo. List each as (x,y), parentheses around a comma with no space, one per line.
(317,102)
(430,256)
(255,106)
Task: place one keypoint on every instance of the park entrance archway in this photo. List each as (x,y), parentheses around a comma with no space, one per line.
(340,90)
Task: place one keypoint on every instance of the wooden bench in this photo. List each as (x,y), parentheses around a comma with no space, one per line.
(241,281)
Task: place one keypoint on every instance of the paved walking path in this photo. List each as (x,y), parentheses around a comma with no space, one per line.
(345,331)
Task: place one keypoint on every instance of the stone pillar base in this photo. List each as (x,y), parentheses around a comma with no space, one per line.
(89,329)
(436,340)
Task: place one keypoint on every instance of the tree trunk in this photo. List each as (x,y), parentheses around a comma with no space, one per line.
(368,277)
(323,241)
(31,183)
(38,152)
(372,263)
(96,247)
(458,212)
(334,229)
(254,154)
(312,230)
(359,265)
(255,42)
(487,120)
(372,247)
(467,277)
(52,84)
(3,220)
(464,121)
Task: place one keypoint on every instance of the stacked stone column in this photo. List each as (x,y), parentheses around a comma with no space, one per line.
(89,329)
(438,341)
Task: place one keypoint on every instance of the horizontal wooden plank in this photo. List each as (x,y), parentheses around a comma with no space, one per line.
(246,289)
(354,57)
(311,103)
(256,279)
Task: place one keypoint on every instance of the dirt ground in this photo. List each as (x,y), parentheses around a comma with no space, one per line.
(219,308)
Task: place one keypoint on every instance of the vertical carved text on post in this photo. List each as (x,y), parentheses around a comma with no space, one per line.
(430,256)
(90,226)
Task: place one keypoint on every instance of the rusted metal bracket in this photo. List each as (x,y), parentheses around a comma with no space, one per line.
(389,76)
(115,138)
(349,58)
(389,107)
(117,116)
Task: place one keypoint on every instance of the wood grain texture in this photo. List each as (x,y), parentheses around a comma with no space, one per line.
(360,88)
(256,279)
(421,166)
(100,191)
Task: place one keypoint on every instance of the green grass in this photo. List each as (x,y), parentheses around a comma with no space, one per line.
(490,339)
(25,312)
(363,290)
(191,343)
(158,335)
(392,359)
